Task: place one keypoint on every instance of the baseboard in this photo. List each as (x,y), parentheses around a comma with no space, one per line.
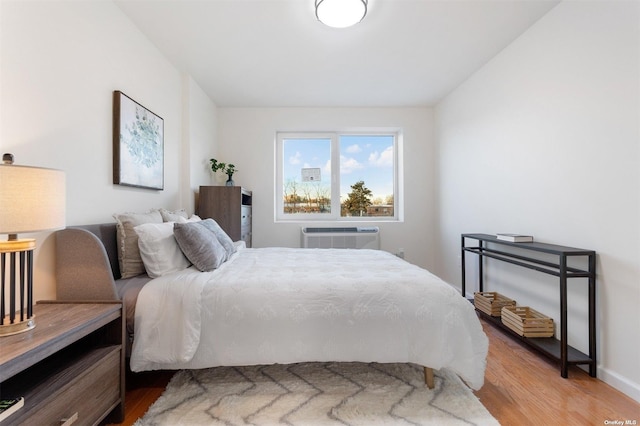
(624,385)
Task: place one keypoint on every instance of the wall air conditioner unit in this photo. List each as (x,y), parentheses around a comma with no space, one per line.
(350,237)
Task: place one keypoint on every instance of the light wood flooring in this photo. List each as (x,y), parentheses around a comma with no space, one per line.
(521,388)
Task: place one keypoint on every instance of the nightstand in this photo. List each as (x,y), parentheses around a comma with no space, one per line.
(70,368)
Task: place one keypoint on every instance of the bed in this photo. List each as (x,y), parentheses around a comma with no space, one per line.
(279,305)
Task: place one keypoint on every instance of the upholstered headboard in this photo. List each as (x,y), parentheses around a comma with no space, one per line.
(87,262)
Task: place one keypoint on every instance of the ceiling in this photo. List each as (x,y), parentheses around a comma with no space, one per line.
(274,53)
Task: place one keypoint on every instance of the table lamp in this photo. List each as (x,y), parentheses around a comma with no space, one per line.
(32,199)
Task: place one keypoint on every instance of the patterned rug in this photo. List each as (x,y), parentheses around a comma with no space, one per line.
(316,394)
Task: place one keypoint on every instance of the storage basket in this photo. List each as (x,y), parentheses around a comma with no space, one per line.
(491,303)
(527,322)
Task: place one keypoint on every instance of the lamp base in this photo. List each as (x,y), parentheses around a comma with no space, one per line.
(18,256)
(17,327)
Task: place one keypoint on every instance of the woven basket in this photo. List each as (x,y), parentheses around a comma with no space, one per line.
(527,322)
(491,303)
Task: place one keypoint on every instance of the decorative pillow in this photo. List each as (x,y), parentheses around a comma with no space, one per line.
(200,245)
(194,218)
(128,252)
(159,249)
(222,236)
(174,216)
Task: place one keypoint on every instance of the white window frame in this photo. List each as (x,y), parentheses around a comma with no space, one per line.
(335,215)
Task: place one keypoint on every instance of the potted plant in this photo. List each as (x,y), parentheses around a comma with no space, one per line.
(229,169)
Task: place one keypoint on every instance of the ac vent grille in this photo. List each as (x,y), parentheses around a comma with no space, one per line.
(343,237)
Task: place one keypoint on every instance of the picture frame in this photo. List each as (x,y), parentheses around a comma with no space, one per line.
(138,144)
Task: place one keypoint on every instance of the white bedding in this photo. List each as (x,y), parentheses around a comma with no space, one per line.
(281,305)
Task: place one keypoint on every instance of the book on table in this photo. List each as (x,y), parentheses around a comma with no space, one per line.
(10,406)
(515,238)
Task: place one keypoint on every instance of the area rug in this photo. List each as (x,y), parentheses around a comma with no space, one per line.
(312,394)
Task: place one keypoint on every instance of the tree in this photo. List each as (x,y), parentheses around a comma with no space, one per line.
(291,195)
(306,190)
(358,199)
(323,197)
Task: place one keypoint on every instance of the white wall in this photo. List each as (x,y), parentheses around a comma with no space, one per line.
(247,139)
(544,140)
(60,63)
(200,142)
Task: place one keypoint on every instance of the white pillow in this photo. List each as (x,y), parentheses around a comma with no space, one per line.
(159,249)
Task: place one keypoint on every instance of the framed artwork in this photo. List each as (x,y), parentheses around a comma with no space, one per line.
(138,144)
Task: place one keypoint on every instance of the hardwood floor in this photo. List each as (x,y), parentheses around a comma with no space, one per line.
(524,388)
(143,389)
(521,388)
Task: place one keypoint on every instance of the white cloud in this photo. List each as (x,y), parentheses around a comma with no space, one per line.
(385,159)
(354,149)
(327,168)
(296,159)
(347,165)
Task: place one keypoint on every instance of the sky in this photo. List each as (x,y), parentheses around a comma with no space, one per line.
(366,158)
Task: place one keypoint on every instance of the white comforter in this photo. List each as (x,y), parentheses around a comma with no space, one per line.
(281,305)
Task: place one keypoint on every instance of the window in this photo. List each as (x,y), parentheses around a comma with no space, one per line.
(337,176)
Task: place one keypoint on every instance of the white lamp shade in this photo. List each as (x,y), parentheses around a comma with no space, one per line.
(341,13)
(31,199)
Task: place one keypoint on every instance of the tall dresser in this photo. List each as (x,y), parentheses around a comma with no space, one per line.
(230,206)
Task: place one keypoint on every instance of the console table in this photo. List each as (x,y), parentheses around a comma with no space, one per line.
(523,255)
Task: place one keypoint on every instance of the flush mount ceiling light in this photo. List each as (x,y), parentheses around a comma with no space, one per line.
(341,13)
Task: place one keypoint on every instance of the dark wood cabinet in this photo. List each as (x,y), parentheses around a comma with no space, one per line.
(230,206)
(554,261)
(69,368)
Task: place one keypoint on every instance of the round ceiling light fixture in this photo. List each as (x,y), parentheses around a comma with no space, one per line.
(341,13)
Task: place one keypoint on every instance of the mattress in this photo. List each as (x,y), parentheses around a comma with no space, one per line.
(283,305)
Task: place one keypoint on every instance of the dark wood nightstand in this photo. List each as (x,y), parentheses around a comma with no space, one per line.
(70,368)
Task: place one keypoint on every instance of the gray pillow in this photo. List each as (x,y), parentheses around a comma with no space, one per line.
(199,245)
(222,236)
